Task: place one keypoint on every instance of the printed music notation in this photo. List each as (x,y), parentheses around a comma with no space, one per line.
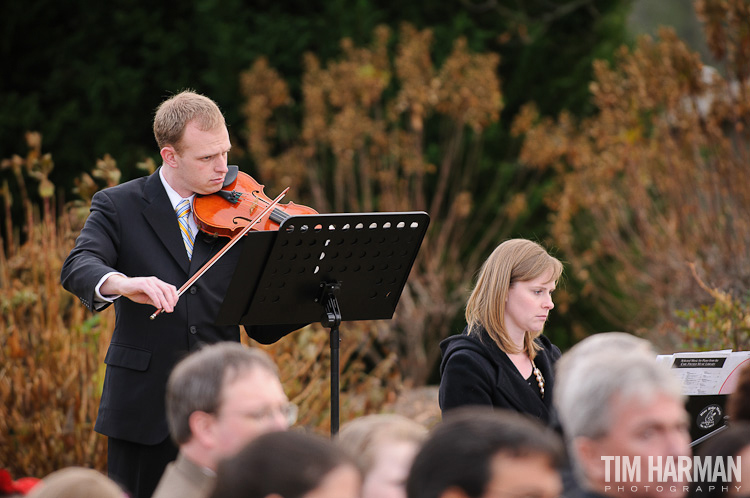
(707,372)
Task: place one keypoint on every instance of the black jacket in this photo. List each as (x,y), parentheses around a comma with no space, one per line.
(133,229)
(474,371)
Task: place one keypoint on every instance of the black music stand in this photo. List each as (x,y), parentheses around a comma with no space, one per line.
(328,268)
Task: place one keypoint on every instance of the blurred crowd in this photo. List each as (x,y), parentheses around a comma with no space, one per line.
(613,404)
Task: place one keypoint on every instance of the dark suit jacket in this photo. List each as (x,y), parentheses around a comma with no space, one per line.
(133,229)
(474,371)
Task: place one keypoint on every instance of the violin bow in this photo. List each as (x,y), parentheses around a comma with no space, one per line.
(224,249)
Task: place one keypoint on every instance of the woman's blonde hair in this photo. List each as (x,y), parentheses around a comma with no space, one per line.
(515,260)
(359,437)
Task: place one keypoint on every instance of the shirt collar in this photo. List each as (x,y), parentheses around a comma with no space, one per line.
(174,197)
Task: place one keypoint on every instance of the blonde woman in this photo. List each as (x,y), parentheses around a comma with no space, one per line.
(502,359)
(384,445)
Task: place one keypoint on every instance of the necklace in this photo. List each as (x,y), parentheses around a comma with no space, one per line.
(539,377)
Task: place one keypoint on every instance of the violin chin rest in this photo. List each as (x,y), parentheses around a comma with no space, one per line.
(231,175)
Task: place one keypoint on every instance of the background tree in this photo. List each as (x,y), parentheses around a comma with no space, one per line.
(653,199)
(88,76)
(359,151)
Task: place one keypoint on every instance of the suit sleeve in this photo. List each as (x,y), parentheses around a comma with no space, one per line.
(467,379)
(95,252)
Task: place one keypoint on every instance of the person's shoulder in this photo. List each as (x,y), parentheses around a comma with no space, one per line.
(125,190)
(461,342)
(183,479)
(464,352)
(547,346)
(467,349)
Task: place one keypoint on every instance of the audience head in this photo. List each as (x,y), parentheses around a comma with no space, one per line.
(738,402)
(619,402)
(221,397)
(477,452)
(733,441)
(384,446)
(597,344)
(76,482)
(515,260)
(289,464)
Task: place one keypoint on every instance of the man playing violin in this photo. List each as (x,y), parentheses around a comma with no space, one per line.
(139,242)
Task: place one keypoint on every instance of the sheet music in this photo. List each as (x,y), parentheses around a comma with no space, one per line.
(707,372)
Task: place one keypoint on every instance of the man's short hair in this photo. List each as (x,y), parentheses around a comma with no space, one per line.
(586,388)
(596,345)
(197,382)
(174,114)
(459,451)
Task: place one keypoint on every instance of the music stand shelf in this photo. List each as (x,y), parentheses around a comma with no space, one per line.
(325,268)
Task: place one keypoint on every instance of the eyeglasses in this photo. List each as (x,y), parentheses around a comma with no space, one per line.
(288,410)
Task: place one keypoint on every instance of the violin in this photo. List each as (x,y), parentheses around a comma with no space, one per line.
(240,206)
(239,201)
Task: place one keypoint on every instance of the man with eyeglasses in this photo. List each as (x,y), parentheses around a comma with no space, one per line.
(478,452)
(219,399)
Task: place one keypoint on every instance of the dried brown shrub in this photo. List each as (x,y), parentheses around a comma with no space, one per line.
(656,180)
(362,146)
(53,348)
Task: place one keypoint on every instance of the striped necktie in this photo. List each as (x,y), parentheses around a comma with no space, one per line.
(183,211)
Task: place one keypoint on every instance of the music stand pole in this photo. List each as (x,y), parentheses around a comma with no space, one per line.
(332,319)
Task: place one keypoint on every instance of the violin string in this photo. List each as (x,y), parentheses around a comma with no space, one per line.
(257,201)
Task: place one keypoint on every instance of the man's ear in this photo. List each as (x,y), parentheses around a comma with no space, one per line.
(168,155)
(589,454)
(201,427)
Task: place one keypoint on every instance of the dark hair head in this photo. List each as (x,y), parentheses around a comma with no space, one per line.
(287,463)
(738,403)
(459,450)
(728,443)
(197,382)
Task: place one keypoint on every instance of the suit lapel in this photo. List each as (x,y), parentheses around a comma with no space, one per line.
(203,250)
(162,218)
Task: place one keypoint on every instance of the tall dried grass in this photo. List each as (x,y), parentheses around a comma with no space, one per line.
(51,366)
(386,129)
(51,359)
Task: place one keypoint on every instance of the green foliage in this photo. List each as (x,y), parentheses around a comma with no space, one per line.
(724,324)
(654,182)
(88,75)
